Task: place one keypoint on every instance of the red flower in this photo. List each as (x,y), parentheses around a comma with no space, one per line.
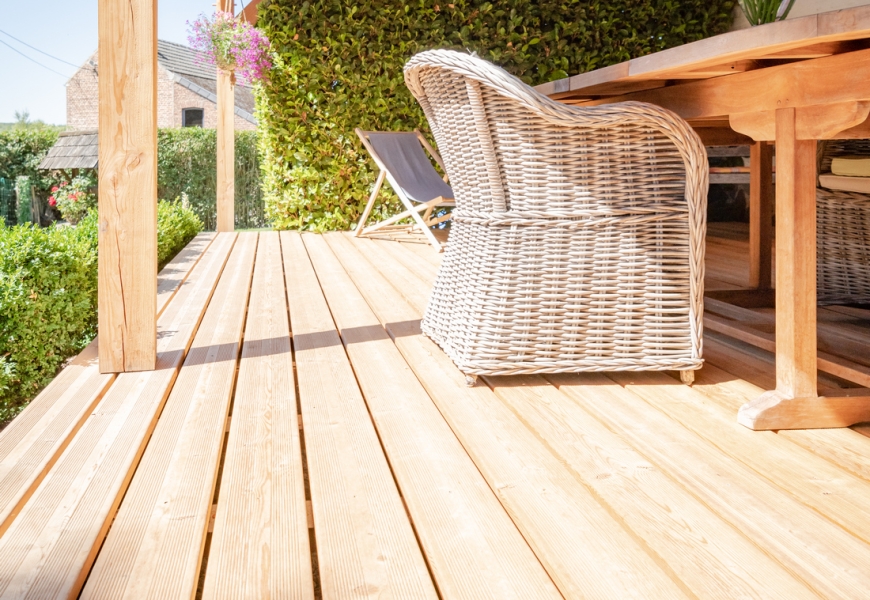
(52,201)
(54,189)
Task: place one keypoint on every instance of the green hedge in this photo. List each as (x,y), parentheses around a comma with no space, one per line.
(21,151)
(48,296)
(340,66)
(187,165)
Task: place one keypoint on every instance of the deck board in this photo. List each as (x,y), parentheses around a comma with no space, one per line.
(552,509)
(473,548)
(600,486)
(31,444)
(365,540)
(154,546)
(49,548)
(260,545)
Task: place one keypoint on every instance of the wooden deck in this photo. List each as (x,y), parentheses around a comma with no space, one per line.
(300,438)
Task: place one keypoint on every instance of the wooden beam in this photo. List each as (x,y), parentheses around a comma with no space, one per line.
(760,214)
(829,80)
(128,185)
(818,122)
(226,187)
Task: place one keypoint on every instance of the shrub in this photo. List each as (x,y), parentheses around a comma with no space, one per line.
(21,151)
(75,198)
(187,165)
(48,296)
(339,66)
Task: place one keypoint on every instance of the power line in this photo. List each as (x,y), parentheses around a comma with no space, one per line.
(33,60)
(38,50)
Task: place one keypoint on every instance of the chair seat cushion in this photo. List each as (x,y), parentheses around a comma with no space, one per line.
(851,166)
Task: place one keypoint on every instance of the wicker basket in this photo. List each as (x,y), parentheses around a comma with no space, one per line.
(578,239)
(842,233)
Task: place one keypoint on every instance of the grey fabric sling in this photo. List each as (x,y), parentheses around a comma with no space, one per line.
(407,163)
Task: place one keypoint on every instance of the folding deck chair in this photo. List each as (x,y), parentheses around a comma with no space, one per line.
(402,161)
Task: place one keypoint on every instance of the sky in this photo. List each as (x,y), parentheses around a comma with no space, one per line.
(66,30)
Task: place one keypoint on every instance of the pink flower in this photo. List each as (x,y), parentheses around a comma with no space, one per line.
(63,184)
(55,188)
(52,201)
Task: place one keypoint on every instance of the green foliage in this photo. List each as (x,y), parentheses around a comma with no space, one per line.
(176,225)
(75,198)
(48,296)
(338,66)
(759,12)
(21,151)
(187,166)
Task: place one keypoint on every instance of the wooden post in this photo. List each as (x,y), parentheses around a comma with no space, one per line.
(760,214)
(128,185)
(226,188)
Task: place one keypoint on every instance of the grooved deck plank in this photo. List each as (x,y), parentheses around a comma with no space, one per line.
(260,548)
(473,548)
(572,534)
(49,548)
(829,560)
(829,489)
(154,546)
(844,448)
(31,443)
(711,557)
(365,542)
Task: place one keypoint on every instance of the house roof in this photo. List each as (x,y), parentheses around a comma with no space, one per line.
(73,150)
(190,68)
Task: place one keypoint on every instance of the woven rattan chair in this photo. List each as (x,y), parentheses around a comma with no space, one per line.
(842,233)
(577,242)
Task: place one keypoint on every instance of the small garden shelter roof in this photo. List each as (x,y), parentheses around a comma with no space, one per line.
(73,150)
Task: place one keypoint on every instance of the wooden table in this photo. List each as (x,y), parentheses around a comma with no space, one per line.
(791,83)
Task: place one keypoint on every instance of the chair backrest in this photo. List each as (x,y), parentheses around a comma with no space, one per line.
(402,155)
(507,147)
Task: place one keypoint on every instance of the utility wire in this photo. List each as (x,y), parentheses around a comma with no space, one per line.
(33,60)
(38,50)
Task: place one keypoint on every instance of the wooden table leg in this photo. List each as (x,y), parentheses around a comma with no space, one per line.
(760,214)
(795,403)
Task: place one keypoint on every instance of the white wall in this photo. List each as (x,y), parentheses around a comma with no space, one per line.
(802,8)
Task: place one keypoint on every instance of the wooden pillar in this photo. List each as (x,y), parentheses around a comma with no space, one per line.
(226,187)
(128,185)
(760,214)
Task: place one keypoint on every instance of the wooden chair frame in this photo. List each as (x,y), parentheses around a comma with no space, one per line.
(424,222)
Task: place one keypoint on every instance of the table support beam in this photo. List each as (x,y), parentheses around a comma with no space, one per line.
(760,214)
(795,402)
(127,285)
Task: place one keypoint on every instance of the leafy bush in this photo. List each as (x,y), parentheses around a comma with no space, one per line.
(48,296)
(75,198)
(176,226)
(339,66)
(21,151)
(187,166)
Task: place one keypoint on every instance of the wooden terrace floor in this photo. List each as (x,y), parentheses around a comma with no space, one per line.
(338,453)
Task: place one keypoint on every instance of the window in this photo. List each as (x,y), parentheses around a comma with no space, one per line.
(191,117)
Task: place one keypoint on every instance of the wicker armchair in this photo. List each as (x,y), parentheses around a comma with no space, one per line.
(577,243)
(842,233)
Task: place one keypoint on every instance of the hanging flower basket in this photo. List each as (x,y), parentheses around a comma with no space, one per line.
(233,46)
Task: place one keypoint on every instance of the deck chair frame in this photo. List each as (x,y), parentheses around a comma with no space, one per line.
(423,222)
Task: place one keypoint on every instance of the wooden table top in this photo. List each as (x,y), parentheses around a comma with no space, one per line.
(775,44)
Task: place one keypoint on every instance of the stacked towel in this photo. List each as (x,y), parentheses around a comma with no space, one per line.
(851,166)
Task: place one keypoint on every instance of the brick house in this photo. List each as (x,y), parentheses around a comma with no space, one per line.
(186,93)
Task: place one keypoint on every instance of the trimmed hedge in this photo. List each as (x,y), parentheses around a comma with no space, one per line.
(48,296)
(187,165)
(339,66)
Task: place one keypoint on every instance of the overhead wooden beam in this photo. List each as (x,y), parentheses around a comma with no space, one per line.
(128,185)
(226,187)
(834,79)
